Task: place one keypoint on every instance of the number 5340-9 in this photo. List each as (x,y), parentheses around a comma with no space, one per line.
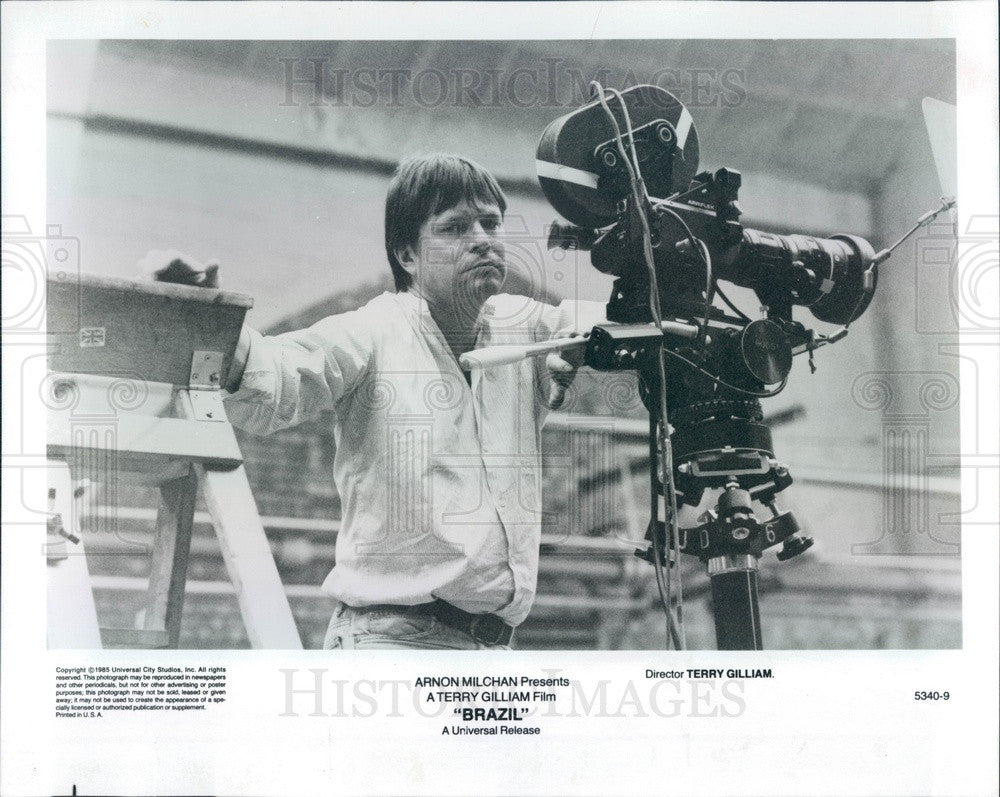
(931,695)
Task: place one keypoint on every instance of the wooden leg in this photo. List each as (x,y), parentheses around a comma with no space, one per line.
(171,550)
(261,596)
(72,615)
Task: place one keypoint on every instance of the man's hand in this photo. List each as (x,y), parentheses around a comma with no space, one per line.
(578,319)
(163,265)
(562,371)
(169,265)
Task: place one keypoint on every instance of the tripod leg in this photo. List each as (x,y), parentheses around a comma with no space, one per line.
(734,602)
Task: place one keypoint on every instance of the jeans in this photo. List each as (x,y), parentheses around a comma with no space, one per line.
(354,629)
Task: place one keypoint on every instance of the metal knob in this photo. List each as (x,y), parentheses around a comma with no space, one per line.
(793,546)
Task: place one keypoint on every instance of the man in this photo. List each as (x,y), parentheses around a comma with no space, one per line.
(439,471)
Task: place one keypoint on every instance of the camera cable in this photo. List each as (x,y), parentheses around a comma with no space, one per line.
(675,625)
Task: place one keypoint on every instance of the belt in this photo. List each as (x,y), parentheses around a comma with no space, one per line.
(489,629)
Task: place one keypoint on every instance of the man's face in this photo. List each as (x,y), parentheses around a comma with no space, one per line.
(458,260)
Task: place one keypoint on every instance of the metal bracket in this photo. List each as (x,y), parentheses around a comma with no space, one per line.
(206,405)
(699,472)
(206,370)
(204,387)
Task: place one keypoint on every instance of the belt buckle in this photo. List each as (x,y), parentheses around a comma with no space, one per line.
(497,625)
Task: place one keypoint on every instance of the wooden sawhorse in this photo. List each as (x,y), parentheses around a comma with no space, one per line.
(135,397)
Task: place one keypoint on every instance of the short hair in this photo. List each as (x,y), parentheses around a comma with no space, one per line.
(423,186)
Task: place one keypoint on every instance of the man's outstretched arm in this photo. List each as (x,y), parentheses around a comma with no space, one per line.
(280,381)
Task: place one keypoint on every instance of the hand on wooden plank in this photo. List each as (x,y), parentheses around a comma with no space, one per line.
(168,265)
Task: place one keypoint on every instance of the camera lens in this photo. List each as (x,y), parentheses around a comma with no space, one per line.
(823,274)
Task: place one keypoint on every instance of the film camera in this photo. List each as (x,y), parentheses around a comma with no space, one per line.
(623,170)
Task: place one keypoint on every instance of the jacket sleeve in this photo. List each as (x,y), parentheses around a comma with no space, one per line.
(290,378)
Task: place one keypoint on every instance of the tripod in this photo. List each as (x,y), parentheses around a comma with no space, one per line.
(730,539)
(719,441)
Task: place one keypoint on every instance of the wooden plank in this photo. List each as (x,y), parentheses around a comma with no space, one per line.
(139,330)
(322,527)
(134,638)
(245,549)
(261,596)
(171,551)
(137,439)
(101,395)
(145,472)
(169,290)
(136,584)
